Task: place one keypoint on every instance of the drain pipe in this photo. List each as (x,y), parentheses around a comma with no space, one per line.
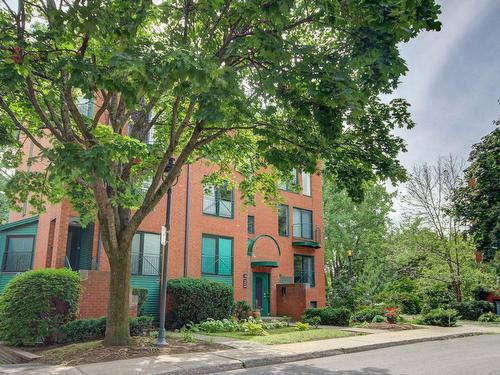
(186,221)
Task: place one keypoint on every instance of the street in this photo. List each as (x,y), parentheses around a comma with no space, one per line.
(464,356)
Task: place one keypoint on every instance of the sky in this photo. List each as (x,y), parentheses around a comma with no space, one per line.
(453,83)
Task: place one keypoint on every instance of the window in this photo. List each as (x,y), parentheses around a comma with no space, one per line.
(218,201)
(302,223)
(251,224)
(18,254)
(283,220)
(306,183)
(146,248)
(313,304)
(85,107)
(303,269)
(149,139)
(291,183)
(216,255)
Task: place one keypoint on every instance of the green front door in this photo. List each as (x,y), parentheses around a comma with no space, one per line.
(261,292)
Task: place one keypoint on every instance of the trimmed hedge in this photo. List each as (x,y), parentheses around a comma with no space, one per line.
(142,294)
(335,316)
(195,300)
(367,314)
(35,304)
(86,329)
(440,317)
(472,310)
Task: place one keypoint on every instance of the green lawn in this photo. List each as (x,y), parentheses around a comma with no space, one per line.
(287,335)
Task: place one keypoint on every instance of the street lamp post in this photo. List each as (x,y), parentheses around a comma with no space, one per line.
(165,231)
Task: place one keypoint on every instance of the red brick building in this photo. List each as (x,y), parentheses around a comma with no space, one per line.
(272,258)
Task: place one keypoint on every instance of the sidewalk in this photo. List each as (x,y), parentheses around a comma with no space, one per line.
(247,354)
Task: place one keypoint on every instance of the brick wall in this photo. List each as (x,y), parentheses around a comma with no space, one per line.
(94,300)
(292,300)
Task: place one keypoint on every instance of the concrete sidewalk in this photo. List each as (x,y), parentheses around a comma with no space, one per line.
(246,354)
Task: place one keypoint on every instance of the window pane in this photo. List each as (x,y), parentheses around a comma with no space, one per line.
(297,268)
(297,223)
(306,218)
(225,256)
(225,202)
(19,254)
(151,254)
(136,244)
(209,206)
(251,224)
(208,255)
(294,177)
(283,220)
(306,184)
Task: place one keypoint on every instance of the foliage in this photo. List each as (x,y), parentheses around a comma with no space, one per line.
(254,328)
(299,326)
(313,321)
(85,329)
(436,295)
(367,314)
(142,294)
(187,335)
(242,310)
(212,326)
(378,319)
(196,300)
(477,201)
(337,316)
(275,324)
(392,313)
(490,317)
(247,86)
(472,310)
(402,292)
(35,304)
(440,317)
(233,325)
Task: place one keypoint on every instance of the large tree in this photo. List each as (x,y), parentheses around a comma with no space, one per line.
(243,84)
(477,202)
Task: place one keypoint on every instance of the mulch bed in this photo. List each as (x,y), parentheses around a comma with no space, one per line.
(95,351)
(392,327)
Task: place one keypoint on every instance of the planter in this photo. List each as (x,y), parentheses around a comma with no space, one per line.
(391,320)
(256,313)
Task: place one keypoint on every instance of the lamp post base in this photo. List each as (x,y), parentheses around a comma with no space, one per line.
(161,339)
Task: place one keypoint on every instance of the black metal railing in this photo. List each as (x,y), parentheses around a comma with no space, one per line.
(148,265)
(303,230)
(19,261)
(304,278)
(217,265)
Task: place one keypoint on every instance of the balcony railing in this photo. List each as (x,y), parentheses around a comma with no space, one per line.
(304,277)
(217,265)
(306,231)
(148,265)
(19,261)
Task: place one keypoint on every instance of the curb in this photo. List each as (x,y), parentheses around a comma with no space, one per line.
(266,361)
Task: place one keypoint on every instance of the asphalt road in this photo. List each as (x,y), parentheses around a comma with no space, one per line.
(477,355)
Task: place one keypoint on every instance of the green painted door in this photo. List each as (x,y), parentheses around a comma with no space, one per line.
(261,293)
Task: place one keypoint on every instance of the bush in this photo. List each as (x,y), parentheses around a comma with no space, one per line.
(195,300)
(472,310)
(213,326)
(253,328)
(489,317)
(366,314)
(275,324)
(408,302)
(299,326)
(242,310)
(335,316)
(440,317)
(312,313)
(436,296)
(35,304)
(378,319)
(142,294)
(86,329)
(314,321)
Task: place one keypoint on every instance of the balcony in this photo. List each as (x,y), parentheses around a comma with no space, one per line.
(147,265)
(305,236)
(304,278)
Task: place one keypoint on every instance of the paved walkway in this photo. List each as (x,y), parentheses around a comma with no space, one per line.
(246,354)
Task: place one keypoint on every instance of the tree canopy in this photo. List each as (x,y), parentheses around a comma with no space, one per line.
(259,87)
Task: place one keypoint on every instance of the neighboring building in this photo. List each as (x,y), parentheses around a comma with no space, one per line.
(213,235)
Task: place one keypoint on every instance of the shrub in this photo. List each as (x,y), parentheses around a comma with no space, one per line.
(366,314)
(440,317)
(378,319)
(195,300)
(472,310)
(312,312)
(315,321)
(253,328)
(335,316)
(435,296)
(392,314)
(35,303)
(489,317)
(213,326)
(299,326)
(85,329)
(242,310)
(408,302)
(275,324)
(142,294)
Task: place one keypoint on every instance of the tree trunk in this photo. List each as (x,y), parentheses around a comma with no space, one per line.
(117,326)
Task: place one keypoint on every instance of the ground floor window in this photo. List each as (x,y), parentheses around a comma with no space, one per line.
(216,255)
(18,253)
(303,269)
(146,249)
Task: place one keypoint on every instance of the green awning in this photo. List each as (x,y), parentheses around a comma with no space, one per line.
(313,244)
(264,263)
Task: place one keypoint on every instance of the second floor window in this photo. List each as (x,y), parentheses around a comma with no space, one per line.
(291,183)
(306,183)
(302,223)
(18,254)
(85,107)
(218,201)
(283,220)
(251,224)
(216,255)
(146,249)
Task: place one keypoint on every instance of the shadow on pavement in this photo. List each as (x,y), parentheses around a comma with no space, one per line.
(294,369)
